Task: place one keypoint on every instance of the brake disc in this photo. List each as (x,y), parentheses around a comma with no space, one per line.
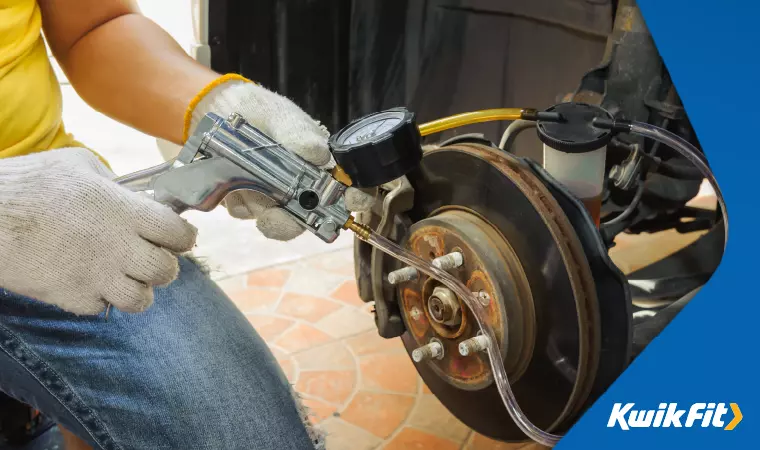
(522,251)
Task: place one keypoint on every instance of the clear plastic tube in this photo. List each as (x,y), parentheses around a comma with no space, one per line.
(497,364)
(510,134)
(689,152)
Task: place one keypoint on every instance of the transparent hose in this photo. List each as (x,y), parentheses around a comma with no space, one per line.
(510,134)
(497,364)
(689,152)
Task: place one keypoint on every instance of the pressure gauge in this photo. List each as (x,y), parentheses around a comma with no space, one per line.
(378,148)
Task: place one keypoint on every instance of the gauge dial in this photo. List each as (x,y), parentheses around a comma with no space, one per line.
(378,148)
(371,128)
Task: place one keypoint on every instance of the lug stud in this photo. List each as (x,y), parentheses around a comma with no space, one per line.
(449,261)
(428,351)
(473,345)
(402,275)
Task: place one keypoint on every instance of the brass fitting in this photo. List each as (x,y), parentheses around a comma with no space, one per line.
(361,230)
(340,175)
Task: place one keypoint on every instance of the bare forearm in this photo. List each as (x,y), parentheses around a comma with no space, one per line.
(133,71)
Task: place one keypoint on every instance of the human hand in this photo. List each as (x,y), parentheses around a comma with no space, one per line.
(73,238)
(286,123)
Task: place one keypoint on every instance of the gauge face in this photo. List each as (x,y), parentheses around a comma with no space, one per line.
(378,148)
(372,128)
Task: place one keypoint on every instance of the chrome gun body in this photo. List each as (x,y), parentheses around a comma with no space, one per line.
(225,155)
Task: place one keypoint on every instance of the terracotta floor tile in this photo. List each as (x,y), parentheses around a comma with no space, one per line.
(286,363)
(300,338)
(269,327)
(412,439)
(346,322)
(345,436)
(268,278)
(255,299)
(232,284)
(480,442)
(393,372)
(348,293)
(425,388)
(431,416)
(371,342)
(318,410)
(334,356)
(636,251)
(535,446)
(310,281)
(340,262)
(333,386)
(279,355)
(289,369)
(380,414)
(306,307)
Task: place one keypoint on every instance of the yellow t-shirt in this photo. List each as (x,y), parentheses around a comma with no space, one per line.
(30,97)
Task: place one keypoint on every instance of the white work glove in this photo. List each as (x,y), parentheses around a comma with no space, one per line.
(286,123)
(71,237)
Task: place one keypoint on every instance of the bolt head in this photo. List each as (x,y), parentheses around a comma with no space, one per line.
(236,120)
(329,226)
(484,298)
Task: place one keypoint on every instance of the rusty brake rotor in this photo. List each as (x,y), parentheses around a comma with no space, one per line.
(522,251)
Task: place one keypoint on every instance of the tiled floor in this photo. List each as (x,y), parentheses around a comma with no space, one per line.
(362,389)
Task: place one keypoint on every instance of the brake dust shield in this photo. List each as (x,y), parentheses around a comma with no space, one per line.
(521,250)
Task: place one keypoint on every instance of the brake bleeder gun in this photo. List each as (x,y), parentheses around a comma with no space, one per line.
(228,154)
(225,155)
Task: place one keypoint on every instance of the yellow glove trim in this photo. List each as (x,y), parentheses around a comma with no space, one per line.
(197,99)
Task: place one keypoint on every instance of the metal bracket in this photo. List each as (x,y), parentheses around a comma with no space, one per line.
(388,319)
(626,174)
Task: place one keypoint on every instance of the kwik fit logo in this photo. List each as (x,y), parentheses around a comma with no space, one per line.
(669,415)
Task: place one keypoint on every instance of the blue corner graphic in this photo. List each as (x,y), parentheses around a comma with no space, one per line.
(709,353)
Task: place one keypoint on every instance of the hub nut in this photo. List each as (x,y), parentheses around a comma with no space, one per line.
(443,307)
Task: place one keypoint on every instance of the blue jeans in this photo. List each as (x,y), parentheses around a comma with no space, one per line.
(189,373)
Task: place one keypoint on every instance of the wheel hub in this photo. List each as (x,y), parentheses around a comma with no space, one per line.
(489,267)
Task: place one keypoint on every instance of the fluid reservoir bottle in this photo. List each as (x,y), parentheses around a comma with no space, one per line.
(575,152)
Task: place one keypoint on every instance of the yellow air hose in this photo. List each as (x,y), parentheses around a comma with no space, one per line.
(468,118)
